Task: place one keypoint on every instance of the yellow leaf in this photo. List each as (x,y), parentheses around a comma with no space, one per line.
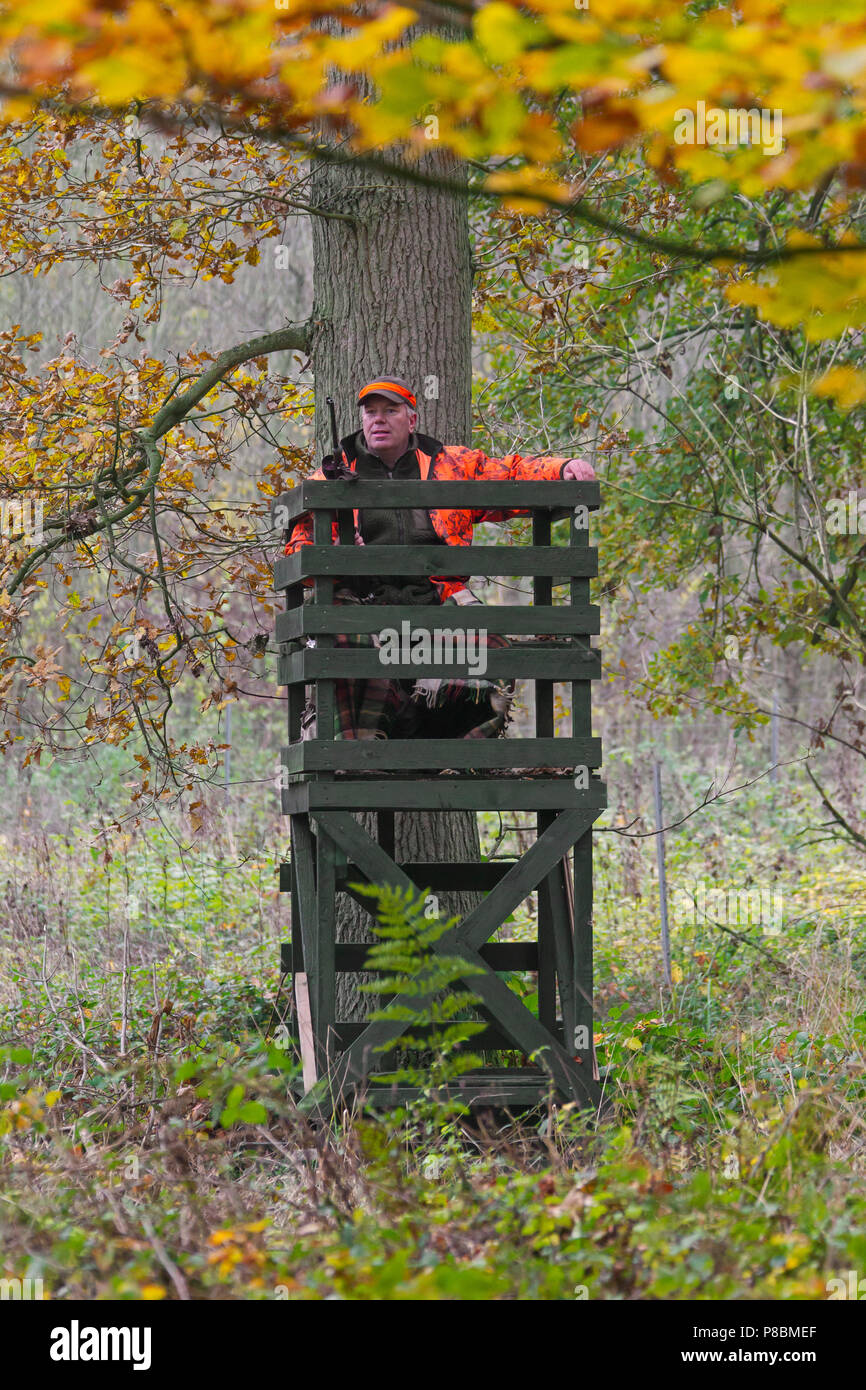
(503,32)
(677,974)
(845,384)
(634,1044)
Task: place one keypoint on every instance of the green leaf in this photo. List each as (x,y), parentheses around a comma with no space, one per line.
(253,1113)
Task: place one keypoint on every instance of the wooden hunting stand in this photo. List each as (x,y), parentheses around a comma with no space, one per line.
(328,779)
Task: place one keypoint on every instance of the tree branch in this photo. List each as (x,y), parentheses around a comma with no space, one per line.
(837,815)
(175,408)
(577,208)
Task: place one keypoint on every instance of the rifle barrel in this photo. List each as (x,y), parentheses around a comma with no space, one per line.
(335,435)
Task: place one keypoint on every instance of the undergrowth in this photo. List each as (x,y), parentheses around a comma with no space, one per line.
(151,1148)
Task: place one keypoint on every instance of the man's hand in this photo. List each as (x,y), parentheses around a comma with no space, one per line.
(579,470)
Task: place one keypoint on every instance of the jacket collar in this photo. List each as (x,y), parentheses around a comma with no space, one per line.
(425,442)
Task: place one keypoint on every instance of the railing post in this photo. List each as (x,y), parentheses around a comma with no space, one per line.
(542,592)
(323,593)
(581,727)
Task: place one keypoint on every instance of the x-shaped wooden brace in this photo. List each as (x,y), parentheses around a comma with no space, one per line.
(524,1029)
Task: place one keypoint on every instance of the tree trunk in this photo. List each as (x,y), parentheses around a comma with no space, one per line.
(393,294)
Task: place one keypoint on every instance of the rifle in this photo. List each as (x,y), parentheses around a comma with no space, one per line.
(334,468)
(332,464)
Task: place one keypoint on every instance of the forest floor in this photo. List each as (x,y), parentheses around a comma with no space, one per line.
(148,1149)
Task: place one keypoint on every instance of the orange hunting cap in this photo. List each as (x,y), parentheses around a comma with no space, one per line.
(394,387)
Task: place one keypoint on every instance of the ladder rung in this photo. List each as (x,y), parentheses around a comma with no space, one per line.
(350,956)
(456,878)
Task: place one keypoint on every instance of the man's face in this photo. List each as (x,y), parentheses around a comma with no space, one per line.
(387,426)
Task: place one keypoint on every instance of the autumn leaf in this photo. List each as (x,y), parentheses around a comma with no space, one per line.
(845,384)
(605,131)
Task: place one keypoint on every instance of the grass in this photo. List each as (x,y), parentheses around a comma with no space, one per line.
(149,1149)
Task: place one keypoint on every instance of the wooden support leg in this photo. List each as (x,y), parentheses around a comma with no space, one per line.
(583,952)
(546,941)
(323,984)
(305,928)
(542,587)
(552,894)
(297,937)
(581,727)
(306,1035)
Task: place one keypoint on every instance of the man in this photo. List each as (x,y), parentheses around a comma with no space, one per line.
(388,446)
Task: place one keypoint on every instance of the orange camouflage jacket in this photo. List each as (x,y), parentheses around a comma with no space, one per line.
(452,462)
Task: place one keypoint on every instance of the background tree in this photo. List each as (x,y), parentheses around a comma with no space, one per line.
(393,291)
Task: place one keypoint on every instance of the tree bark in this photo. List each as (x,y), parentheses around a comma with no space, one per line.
(393,294)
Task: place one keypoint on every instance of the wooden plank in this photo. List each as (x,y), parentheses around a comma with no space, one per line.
(551,891)
(295,709)
(306,1036)
(490,1040)
(287,673)
(436,492)
(555,662)
(583,949)
(529,1034)
(303,862)
(498,1095)
(546,943)
(298,962)
(581,696)
(294,599)
(510,620)
(542,594)
(356,1060)
(352,956)
(461,877)
(323,594)
(370,858)
(390,755)
(343,886)
(444,794)
(527,873)
(453,878)
(379,561)
(324,979)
